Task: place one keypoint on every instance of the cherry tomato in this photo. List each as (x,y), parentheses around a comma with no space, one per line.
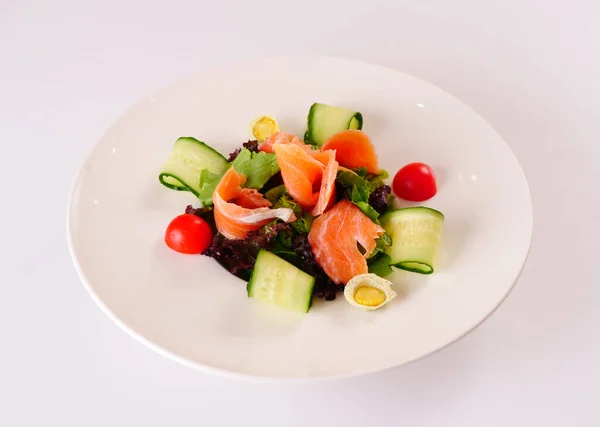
(188,234)
(415,182)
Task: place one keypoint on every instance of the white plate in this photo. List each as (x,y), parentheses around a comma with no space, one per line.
(191,309)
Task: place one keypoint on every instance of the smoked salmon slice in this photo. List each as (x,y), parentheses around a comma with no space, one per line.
(321,156)
(301,173)
(250,198)
(334,239)
(235,221)
(282,138)
(308,177)
(327,190)
(354,149)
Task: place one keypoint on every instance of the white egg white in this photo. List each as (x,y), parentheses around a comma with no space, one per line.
(368,280)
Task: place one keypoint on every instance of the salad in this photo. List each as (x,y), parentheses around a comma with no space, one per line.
(303,219)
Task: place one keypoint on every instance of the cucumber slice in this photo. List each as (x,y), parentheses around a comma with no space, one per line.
(326,120)
(278,282)
(188,158)
(416,234)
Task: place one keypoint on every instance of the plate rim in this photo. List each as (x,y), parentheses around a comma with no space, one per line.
(208,368)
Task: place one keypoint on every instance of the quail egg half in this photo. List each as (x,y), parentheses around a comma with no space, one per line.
(369,291)
(263,127)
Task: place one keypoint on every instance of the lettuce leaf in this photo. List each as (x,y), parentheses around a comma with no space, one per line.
(368,210)
(377,180)
(374,179)
(381,198)
(304,219)
(303,223)
(358,190)
(208,183)
(275,193)
(380,265)
(381,244)
(258,168)
(283,247)
(368,192)
(251,144)
(379,262)
(362,172)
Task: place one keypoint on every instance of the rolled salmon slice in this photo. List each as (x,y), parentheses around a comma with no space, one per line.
(354,149)
(282,138)
(327,189)
(301,173)
(251,198)
(334,239)
(235,221)
(322,156)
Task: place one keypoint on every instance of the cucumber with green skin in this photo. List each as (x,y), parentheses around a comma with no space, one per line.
(186,161)
(326,120)
(416,235)
(276,281)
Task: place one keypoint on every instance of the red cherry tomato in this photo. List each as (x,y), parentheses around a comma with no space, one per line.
(188,234)
(415,182)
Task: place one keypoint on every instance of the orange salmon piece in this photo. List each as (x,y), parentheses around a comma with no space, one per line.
(251,198)
(334,239)
(301,174)
(282,138)
(353,149)
(235,221)
(327,190)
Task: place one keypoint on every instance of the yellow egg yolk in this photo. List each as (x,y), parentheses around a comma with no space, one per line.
(264,128)
(369,296)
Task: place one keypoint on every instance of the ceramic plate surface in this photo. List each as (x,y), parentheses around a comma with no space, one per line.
(191,309)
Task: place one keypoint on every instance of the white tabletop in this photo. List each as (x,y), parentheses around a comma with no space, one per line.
(68,69)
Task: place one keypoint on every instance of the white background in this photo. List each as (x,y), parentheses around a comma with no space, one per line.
(531,68)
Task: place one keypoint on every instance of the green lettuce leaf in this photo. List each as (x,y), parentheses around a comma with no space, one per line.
(380,265)
(258,168)
(358,190)
(304,219)
(350,180)
(374,180)
(360,193)
(285,201)
(208,183)
(362,172)
(377,180)
(303,223)
(275,193)
(283,247)
(379,262)
(368,210)
(359,186)
(381,244)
